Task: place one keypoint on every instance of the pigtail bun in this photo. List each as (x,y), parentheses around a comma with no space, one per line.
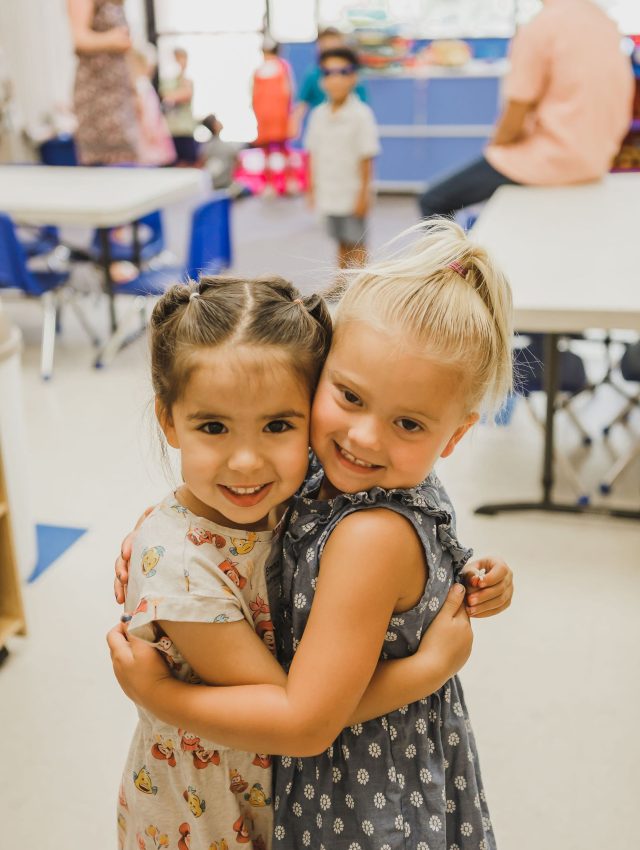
(317,308)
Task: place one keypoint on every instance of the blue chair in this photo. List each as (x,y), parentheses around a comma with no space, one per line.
(150,245)
(630,371)
(38,240)
(60,150)
(209,253)
(47,283)
(572,381)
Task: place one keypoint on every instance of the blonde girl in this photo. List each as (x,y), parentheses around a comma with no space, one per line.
(234,364)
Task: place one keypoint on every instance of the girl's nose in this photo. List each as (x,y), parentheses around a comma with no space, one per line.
(366,433)
(245,460)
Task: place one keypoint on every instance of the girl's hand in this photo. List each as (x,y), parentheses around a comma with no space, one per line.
(489,593)
(121,566)
(450,636)
(138,667)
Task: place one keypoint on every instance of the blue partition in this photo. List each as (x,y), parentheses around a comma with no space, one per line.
(462,100)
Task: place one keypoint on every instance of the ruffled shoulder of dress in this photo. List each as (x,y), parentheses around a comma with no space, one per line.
(427,501)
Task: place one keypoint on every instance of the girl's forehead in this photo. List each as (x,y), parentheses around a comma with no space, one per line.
(363,340)
(243,368)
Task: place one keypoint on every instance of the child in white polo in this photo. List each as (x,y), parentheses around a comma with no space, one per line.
(342,140)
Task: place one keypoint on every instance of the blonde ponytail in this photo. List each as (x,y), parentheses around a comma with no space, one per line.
(445,294)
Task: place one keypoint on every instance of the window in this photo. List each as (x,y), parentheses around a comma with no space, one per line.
(293,20)
(223,43)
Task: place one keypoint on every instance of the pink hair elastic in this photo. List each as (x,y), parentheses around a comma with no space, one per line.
(458,267)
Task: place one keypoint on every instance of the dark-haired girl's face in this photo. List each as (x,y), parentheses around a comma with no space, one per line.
(242,427)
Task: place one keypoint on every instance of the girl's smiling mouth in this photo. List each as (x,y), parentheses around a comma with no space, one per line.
(352,462)
(246,496)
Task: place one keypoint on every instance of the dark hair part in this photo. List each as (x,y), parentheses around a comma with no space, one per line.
(345,53)
(215,311)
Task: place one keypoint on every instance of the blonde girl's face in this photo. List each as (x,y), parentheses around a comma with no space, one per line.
(384,413)
(242,428)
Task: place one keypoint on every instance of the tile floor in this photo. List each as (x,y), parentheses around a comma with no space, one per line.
(552,685)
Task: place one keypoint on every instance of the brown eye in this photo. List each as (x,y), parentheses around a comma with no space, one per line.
(213,428)
(350,397)
(278,426)
(409,425)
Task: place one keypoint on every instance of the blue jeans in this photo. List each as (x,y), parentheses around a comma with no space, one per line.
(472,184)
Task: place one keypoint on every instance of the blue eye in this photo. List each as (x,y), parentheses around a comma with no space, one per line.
(409,425)
(213,428)
(278,426)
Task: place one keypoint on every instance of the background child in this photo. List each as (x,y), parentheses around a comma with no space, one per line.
(251,351)
(342,141)
(156,145)
(272,99)
(369,556)
(311,93)
(177,98)
(219,157)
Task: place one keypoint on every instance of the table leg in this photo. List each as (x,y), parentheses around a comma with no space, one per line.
(105,254)
(546,503)
(120,337)
(551,362)
(137,250)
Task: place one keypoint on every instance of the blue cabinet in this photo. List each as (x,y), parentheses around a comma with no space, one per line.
(430,125)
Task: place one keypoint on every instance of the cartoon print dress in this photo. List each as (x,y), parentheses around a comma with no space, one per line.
(409,780)
(178,790)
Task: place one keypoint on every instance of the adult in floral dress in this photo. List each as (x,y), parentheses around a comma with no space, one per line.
(104,95)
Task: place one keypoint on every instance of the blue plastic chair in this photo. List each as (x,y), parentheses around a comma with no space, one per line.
(60,150)
(47,285)
(209,253)
(37,241)
(152,245)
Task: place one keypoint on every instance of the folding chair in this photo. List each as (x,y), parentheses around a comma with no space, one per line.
(630,370)
(209,253)
(572,381)
(138,248)
(47,283)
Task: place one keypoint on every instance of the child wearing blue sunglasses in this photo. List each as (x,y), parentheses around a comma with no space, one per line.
(342,141)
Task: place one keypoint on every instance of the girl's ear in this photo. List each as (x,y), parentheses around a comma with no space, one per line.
(459,433)
(166,423)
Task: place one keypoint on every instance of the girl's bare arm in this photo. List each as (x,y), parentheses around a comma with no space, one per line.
(336,659)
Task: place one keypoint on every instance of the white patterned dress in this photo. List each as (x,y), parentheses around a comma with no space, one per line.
(409,780)
(178,790)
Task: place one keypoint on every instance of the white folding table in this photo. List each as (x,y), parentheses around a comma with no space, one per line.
(571,256)
(101,198)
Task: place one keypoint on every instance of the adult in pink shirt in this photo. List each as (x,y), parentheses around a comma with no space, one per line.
(568,105)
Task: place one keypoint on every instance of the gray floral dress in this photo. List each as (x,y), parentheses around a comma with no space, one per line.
(409,779)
